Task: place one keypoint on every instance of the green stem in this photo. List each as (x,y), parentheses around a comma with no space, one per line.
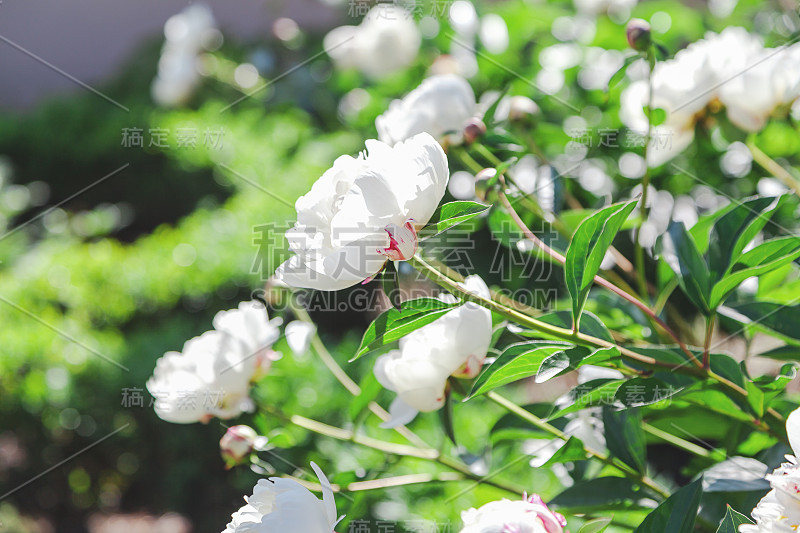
(586,340)
(401,450)
(710,322)
(638,249)
(772,166)
(537,422)
(355,390)
(351,386)
(467,160)
(683,444)
(598,280)
(490,157)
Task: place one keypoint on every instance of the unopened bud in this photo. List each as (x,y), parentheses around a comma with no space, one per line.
(521,108)
(237,444)
(638,33)
(473,130)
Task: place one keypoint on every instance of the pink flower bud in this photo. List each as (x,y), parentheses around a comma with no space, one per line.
(474,130)
(638,33)
(237,444)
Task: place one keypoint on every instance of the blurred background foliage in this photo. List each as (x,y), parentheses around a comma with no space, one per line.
(140,262)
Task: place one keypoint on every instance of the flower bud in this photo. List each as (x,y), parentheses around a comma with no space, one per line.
(522,108)
(237,444)
(638,33)
(473,130)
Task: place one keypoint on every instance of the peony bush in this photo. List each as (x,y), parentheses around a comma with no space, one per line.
(618,353)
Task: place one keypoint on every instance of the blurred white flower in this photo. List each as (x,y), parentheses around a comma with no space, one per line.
(298,336)
(386,41)
(494,33)
(621,8)
(529,515)
(188,34)
(440,105)
(364,211)
(511,108)
(779,510)
(280,504)
(465,23)
(453,345)
(731,68)
(212,376)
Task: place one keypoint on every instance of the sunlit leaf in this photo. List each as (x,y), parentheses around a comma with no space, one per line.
(449,215)
(394,324)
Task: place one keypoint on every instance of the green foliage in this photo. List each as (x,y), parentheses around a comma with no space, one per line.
(732,521)
(678,512)
(449,215)
(140,263)
(587,249)
(394,324)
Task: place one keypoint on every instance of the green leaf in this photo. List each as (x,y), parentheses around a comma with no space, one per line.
(783,353)
(764,389)
(570,451)
(731,522)
(688,265)
(573,358)
(727,367)
(782,319)
(602,493)
(446,416)
(639,391)
(488,116)
(677,513)
(762,259)
(449,215)
(499,138)
(587,249)
(573,218)
(394,324)
(590,324)
(511,427)
(620,73)
(595,526)
(590,394)
(518,361)
(390,283)
(734,230)
(625,436)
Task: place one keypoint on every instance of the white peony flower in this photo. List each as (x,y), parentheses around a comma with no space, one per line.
(364,211)
(280,504)
(453,345)
(212,376)
(529,515)
(188,34)
(440,105)
(779,510)
(386,41)
(731,68)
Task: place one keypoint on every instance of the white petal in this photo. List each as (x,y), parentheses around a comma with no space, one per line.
(298,336)
(793,430)
(327,493)
(402,414)
(427,174)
